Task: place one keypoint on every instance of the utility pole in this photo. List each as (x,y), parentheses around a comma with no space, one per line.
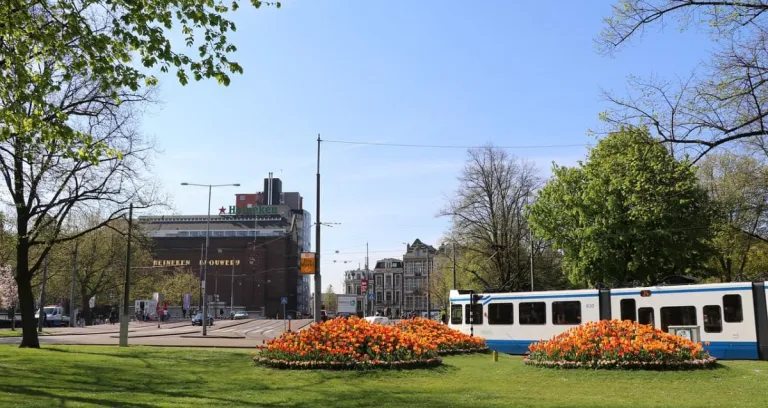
(318,284)
(453,250)
(429,291)
(530,238)
(232,289)
(42,296)
(124,317)
(72,293)
(365,295)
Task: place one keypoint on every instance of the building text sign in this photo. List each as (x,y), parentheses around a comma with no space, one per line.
(307,263)
(258,210)
(187,262)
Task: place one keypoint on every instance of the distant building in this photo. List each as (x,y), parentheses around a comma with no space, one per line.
(388,287)
(353,285)
(254,248)
(419,258)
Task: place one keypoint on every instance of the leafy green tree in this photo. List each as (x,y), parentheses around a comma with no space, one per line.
(738,185)
(71,75)
(630,213)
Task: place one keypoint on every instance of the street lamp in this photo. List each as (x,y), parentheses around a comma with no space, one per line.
(207,238)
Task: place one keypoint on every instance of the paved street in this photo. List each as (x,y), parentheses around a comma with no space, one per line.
(225,333)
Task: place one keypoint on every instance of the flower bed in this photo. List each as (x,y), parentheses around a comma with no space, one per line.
(618,344)
(348,344)
(447,340)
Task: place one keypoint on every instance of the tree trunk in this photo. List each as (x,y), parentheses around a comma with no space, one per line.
(86,310)
(26,298)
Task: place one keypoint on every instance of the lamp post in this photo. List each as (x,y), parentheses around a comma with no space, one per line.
(207,240)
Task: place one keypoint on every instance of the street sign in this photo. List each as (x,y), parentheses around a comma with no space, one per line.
(371,296)
(284,300)
(307,263)
(364,285)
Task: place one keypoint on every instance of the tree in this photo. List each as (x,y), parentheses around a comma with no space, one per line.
(487,216)
(329,299)
(739,187)
(173,284)
(71,74)
(8,293)
(725,101)
(632,212)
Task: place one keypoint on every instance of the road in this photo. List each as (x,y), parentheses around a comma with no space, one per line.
(225,333)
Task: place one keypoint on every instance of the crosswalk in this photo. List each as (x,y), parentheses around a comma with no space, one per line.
(260,328)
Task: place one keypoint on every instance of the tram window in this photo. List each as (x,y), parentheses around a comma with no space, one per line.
(713,321)
(533,313)
(645,316)
(501,313)
(732,307)
(677,316)
(628,309)
(455,314)
(477,318)
(566,312)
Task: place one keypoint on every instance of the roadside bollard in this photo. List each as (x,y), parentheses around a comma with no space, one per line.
(289,326)
(495,356)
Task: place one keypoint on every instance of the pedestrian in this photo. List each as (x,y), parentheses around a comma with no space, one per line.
(184,313)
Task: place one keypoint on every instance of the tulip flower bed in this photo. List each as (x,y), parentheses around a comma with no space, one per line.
(447,340)
(348,344)
(618,344)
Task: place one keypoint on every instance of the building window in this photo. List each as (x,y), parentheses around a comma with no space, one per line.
(456,314)
(359,290)
(645,316)
(397,298)
(566,312)
(501,313)
(475,312)
(378,281)
(349,289)
(677,316)
(388,280)
(388,297)
(733,310)
(398,280)
(628,311)
(533,313)
(242,198)
(378,297)
(713,321)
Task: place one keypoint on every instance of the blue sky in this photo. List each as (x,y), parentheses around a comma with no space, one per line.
(418,72)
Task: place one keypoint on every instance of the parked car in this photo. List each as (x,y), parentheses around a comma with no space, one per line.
(198,320)
(239,315)
(344,315)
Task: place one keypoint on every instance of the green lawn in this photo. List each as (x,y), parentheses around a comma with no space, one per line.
(14,333)
(186,377)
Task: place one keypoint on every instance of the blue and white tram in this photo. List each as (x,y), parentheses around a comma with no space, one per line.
(732,317)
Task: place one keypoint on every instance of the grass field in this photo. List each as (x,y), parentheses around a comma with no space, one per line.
(185,377)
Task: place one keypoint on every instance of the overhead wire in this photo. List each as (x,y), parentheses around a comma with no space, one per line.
(435,146)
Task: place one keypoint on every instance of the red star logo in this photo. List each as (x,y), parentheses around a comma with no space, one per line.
(222,210)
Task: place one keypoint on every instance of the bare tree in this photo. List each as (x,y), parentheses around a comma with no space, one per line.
(487,211)
(49,181)
(723,101)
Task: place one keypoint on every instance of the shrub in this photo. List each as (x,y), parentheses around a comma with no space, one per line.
(348,343)
(447,340)
(618,344)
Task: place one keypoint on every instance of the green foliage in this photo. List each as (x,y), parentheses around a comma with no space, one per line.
(44,44)
(172,284)
(630,213)
(738,185)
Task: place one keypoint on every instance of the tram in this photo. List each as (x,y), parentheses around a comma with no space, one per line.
(732,318)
